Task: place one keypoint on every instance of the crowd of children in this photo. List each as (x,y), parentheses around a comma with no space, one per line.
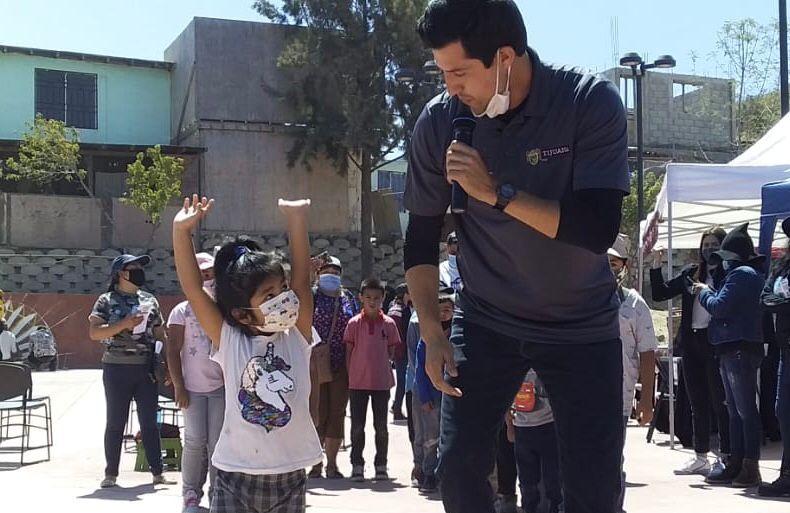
(267,361)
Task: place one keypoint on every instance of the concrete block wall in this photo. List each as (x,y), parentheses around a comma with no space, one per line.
(86,271)
(387,258)
(702,117)
(69,271)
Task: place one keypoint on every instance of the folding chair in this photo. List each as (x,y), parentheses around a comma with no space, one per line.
(17,401)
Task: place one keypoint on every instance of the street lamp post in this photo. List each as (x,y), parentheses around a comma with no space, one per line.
(638,69)
(428,75)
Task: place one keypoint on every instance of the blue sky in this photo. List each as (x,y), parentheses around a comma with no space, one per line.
(564,31)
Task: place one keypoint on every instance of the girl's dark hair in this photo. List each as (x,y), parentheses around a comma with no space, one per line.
(3,326)
(719,233)
(240,267)
(113,282)
(482,27)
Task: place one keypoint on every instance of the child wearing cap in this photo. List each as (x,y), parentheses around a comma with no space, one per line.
(427,400)
(128,321)
(199,391)
(448,270)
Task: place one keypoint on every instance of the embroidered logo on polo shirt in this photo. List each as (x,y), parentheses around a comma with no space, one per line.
(535,156)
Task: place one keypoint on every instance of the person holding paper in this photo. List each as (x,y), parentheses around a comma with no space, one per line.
(128,321)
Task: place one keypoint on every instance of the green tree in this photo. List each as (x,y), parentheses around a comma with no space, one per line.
(345,55)
(629,225)
(749,50)
(758,115)
(49,152)
(153,182)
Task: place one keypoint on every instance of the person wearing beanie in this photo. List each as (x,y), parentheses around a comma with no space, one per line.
(736,334)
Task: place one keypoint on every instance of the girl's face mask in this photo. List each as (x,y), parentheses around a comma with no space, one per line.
(280,312)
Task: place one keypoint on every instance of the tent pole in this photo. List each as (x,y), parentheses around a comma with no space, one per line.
(670,342)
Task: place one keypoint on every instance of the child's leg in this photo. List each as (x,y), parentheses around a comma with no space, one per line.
(546,435)
(359,411)
(418,443)
(528,464)
(431,439)
(381,399)
(216,418)
(193,459)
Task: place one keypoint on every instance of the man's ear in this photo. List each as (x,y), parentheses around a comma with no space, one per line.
(507,56)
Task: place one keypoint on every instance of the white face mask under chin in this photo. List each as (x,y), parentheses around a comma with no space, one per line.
(500,102)
(280,312)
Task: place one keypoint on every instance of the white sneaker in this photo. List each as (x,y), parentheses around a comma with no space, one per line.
(696,465)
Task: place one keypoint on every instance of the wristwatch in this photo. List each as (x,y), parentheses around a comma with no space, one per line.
(504,195)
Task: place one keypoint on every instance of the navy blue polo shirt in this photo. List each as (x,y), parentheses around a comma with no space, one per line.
(570,134)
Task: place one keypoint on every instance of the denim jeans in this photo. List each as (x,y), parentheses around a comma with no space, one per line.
(783,405)
(122,383)
(426,436)
(379,400)
(739,373)
(585,387)
(537,459)
(202,425)
(400,387)
(705,392)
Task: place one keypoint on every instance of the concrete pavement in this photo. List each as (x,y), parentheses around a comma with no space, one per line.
(69,482)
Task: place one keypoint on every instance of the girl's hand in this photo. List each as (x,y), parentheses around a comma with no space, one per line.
(192,213)
(294,208)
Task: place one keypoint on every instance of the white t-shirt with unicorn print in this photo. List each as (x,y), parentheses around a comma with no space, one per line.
(267,428)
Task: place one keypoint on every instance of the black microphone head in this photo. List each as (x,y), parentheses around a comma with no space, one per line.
(464,125)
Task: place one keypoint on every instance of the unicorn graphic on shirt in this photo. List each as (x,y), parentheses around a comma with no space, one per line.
(263,383)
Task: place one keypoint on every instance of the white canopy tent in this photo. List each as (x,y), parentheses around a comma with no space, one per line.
(695,197)
(704,195)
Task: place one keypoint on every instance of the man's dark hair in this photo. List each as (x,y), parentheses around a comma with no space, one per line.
(372,284)
(482,27)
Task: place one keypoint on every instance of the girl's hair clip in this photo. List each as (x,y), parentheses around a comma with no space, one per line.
(241,250)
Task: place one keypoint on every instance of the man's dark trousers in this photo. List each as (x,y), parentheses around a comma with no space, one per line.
(585,386)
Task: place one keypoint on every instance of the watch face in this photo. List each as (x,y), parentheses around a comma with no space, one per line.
(507,191)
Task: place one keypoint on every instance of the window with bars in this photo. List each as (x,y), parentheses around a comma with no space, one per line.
(394,181)
(67,96)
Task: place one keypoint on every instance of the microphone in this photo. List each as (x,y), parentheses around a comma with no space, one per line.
(463,128)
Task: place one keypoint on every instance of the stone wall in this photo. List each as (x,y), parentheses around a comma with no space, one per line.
(87,271)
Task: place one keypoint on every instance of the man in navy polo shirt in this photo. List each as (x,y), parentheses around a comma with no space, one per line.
(546,177)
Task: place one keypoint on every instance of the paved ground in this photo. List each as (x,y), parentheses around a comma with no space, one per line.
(69,482)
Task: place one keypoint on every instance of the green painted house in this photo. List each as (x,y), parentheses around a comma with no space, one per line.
(119,106)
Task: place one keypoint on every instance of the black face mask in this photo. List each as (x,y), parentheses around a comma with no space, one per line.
(447,324)
(137,277)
